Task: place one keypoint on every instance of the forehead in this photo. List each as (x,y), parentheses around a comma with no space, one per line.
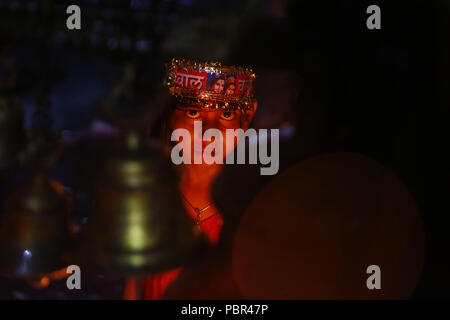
(200,107)
(189,106)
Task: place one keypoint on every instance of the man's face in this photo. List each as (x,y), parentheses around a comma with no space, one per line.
(184,116)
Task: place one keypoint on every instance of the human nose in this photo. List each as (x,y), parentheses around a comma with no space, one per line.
(210,121)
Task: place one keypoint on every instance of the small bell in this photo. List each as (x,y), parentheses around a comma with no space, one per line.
(138,224)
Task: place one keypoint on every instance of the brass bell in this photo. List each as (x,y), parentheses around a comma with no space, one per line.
(12,134)
(138,224)
(33,228)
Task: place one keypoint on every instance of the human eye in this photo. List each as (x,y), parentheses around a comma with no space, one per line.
(192,113)
(227,115)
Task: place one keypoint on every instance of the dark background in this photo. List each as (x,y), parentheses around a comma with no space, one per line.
(321,72)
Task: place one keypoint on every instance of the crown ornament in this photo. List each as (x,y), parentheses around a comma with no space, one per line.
(211,84)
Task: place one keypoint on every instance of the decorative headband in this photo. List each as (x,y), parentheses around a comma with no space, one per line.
(211,83)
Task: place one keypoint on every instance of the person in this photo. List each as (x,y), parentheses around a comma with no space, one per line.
(316,230)
(230,88)
(217,84)
(221,112)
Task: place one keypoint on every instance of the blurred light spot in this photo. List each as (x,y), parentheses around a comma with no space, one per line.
(287,130)
(143,45)
(27,254)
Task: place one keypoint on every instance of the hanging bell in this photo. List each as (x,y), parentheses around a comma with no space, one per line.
(33,228)
(138,224)
(34,236)
(12,134)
